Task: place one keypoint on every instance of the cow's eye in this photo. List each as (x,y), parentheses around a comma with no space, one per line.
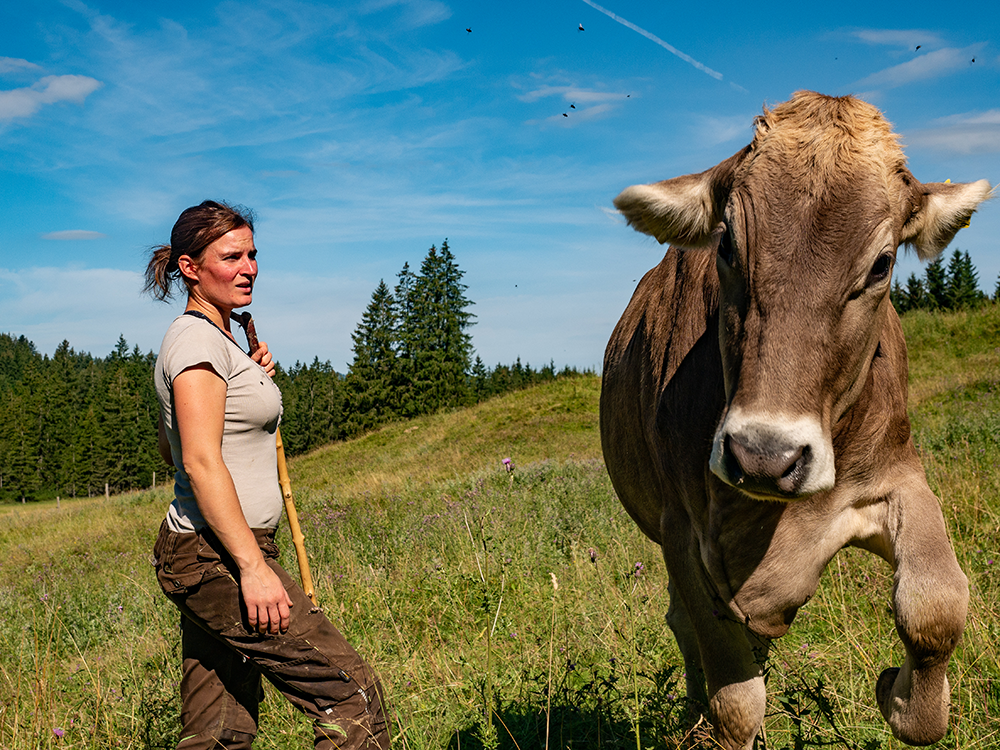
(881,270)
(726,247)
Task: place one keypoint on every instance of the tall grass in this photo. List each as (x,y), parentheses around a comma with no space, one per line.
(440,565)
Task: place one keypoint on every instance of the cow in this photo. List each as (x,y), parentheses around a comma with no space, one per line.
(753,404)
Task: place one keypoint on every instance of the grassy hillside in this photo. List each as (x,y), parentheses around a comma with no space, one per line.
(502,608)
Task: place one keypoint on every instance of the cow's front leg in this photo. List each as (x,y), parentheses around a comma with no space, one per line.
(931,596)
(686,636)
(731,657)
(734,669)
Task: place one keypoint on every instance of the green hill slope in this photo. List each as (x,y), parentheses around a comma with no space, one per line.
(554,420)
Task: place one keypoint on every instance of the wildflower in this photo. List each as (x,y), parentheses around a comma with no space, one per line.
(639,569)
(508,465)
(58,732)
(593,555)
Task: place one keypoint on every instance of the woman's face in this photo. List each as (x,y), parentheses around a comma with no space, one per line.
(226,272)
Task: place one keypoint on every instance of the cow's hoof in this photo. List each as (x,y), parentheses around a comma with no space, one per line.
(883,690)
(914,719)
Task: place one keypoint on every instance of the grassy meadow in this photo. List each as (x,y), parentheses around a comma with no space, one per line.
(503,609)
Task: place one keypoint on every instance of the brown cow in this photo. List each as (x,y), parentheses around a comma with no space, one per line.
(753,409)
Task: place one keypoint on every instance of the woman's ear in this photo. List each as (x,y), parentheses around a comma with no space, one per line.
(188,268)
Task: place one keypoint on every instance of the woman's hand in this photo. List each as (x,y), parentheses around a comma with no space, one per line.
(263,358)
(268,603)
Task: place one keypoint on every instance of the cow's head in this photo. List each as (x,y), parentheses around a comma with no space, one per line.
(805,223)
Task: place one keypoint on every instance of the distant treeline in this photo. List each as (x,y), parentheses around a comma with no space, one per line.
(951,287)
(71,423)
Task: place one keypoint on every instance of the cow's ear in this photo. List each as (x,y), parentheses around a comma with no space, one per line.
(684,211)
(943,208)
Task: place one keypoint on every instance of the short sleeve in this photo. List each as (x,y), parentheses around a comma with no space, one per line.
(194,345)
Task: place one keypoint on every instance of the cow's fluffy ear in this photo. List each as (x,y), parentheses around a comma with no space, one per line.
(678,211)
(684,211)
(943,209)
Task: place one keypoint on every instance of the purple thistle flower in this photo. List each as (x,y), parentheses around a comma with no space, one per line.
(58,732)
(593,555)
(639,568)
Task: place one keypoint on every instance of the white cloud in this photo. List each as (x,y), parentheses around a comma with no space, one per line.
(906,38)
(415,13)
(25,102)
(970,133)
(572,94)
(712,131)
(580,104)
(16,65)
(74,234)
(936,64)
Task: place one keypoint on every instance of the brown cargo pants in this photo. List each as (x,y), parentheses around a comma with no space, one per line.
(312,664)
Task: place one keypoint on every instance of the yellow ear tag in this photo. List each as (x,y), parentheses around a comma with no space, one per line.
(968,222)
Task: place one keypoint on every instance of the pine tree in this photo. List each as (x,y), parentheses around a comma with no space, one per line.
(370,377)
(440,347)
(407,325)
(898,297)
(915,294)
(479,377)
(936,285)
(963,282)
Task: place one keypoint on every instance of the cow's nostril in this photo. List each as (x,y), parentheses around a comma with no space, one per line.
(764,461)
(768,463)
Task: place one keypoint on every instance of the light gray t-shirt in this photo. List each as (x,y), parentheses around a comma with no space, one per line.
(253,410)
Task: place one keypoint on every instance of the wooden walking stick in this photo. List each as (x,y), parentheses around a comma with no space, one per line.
(246,323)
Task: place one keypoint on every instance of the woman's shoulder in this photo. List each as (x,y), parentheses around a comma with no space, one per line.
(190,341)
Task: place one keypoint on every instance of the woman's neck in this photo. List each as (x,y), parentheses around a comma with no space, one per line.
(217,315)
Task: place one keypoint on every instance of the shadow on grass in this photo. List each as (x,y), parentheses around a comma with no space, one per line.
(592,714)
(586,711)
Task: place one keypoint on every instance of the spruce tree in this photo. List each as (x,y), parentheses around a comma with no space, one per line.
(898,297)
(936,285)
(405,333)
(370,377)
(479,378)
(915,294)
(440,347)
(963,282)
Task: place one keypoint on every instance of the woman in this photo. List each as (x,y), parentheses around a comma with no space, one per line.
(241,614)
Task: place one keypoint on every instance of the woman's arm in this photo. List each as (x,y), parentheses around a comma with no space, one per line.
(162,444)
(200,407)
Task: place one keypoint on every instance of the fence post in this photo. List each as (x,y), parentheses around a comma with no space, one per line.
(107,491)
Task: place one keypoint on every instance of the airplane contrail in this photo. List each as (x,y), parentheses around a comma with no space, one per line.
(654,38)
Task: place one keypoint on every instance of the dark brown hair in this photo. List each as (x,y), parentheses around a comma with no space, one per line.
(195,229)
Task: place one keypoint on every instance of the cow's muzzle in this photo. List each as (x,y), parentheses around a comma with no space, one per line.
(773,459)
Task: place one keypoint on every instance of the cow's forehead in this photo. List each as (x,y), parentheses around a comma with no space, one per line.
(821,146)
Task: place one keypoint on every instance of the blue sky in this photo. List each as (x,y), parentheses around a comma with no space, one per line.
(362,133)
